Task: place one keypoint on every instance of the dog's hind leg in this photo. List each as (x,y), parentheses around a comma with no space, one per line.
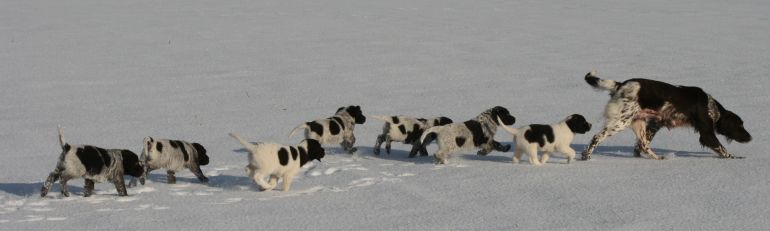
(387,144)
(640,129)
(532,152)
(441,156)
(53,177)
(287,181)
(170,177)
(195,169)
(653,127)
(259,178)
(273,181)
(88,188)
(378,144)
(545,157)
(347,144)
(63,184)
(120,184)
(517,155)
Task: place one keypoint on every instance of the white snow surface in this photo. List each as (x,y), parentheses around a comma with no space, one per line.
(113,72)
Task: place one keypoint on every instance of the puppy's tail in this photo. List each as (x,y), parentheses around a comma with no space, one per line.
(511,130)
(301,126)
(388,119)
(62,143)
(243,142)
(428,136)
(599,83)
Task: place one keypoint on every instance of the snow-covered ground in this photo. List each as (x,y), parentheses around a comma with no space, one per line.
(113,72)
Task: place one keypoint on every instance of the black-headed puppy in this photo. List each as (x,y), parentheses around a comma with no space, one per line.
(337,129)
(279,161)
(94,164)
(407,130)
(549,138)
(475,133)
(172,155)
(648,105)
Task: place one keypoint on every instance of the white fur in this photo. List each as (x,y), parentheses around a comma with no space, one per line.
(563,137)
(263,162)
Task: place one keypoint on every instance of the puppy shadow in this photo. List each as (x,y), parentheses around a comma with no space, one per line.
(231,182)
(628,152)
(396,155)
(33,189)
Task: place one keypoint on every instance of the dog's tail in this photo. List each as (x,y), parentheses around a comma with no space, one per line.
(203,159)
(388,119)
(599,83)
(62,143)
(511,130)
(301,126)
(243,142)
(428,136)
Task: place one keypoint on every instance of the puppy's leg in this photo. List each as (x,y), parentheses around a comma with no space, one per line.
(612,128)
(287,181)
(195,169)
(388,140)
(63,184)
(53,177)
(378,144)
(653,127)
(170,177)
(640,129)
(441,156)
(146,173)
(423,151)
(259,178)
(517,155)
(347,144)
(532,152)
(416,147)
(485,149)
(88,188)
(273,181)
(545,157)
(569,152)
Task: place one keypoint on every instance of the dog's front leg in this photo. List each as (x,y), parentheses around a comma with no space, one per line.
(54,176)
(640,129)
(612,128)
(653,127)
(347,144)
(378,144)
(88,188)
(485,149)
(170,177)
(709,139)
(63,184)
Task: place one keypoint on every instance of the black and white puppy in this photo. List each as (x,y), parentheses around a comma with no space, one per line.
(172,155)
(95,165)
(407,130)
(476,133)
(547,138)
(279,161)
(648,105)
(337,129)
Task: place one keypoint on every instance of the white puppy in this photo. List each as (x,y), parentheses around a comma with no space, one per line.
(547,138)
(279,161)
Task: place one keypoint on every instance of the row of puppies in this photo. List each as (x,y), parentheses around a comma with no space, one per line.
(644,104)
(96,164)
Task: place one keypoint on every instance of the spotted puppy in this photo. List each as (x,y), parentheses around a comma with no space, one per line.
(648,105)
(279,161)
(95,165)
(476,133)
(407,130)
(172,155)
(547,138)
(337,129)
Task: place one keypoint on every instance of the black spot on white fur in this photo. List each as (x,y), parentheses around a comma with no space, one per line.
(316,128)
(479,137)
(94,159)
(460,141)
(339,121)
(203,159)
(158,146)
(402,129)
(334,128)
(283,157)
(294,153)
(539,133)
(395,119)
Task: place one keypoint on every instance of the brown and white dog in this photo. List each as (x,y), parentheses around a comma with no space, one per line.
(407,130)
(279,161)
(95,165)
(648,105)
(337,129)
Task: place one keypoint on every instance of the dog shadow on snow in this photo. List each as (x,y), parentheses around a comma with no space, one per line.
(33,189)
(628,152)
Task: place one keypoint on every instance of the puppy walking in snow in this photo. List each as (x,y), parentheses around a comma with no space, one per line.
(337,129)
(407,130)
(94,164)
(547,138)
(279,161)
(173,155)
(475,133)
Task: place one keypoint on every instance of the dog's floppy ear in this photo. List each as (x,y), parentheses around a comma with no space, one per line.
(504,115)
(131,164)
(443,121)
(731,126)
(203,159)
(314,149)
(578,124)
(355,112)
(339,109)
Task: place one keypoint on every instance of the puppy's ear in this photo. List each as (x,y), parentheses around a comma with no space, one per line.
(203,159)
(444,121)
(340,109)
(131,164)
(314,149)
